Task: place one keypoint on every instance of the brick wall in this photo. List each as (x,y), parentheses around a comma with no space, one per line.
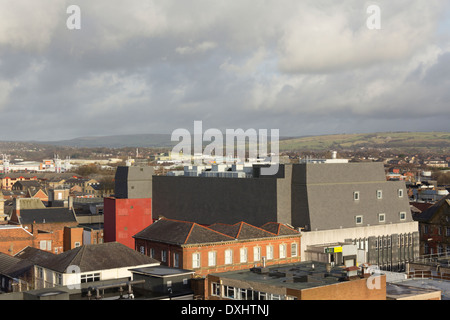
(13,240)
(347,290)
(186,252)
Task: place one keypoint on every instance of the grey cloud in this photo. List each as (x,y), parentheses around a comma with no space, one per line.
(152,66)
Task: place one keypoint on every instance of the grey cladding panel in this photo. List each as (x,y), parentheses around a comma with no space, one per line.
(213,200)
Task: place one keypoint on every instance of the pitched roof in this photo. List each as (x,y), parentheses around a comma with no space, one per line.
(94,257)
(428,214)
(242,230)
(47,215)
(34,255)
(12,266)
(185,232)
(28,184)
(279,229)
(180,232)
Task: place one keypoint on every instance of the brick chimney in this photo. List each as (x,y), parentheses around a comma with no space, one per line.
(15,216)
(17,207)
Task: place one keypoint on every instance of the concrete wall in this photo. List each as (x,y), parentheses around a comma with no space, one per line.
(213,200)
(340,235)
(133,182)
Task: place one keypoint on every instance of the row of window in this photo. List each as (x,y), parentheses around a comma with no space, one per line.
(381,217)
(58,277)
(403,240)
(440,249)
(243,255)
(379,194)
(230,292)
(428,229)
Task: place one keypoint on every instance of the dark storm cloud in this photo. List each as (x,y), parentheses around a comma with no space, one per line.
(309,67)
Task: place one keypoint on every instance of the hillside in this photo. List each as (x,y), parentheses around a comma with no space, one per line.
(400,141)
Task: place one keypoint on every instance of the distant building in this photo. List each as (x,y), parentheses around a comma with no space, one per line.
(9,179)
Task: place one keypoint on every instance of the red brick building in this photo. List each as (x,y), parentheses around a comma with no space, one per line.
(14,238)
(41,222)
(310,280)
(218,247)
(434,227)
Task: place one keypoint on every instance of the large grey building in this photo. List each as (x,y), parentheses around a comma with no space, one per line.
(329,202)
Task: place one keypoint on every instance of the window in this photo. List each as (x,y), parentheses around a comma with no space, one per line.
(43,245)
(243,255)
(152,253)
(359,219)
(244,294)
(256,254)
(282,251)
(40,272)
(196,260)
(77,244)
(228,256)
(142,249)
(447,231)
(402,215)
(400,193)
(269,252)
(176,260)
(58,279)
(356,195)
(381,217)
(91,277)
(294,251)
(212,258)
(379,194)
(163,255)
(169,284)
(215,289)
(229,292)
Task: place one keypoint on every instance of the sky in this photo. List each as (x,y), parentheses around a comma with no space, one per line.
(303,67)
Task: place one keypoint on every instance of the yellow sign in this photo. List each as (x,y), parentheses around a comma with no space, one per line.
(333,250)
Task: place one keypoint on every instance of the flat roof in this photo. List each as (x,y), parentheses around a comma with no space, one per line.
(427,284)
(161,271)
(297,276)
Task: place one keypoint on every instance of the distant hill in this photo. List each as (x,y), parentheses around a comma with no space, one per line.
(118,141)
(400,141)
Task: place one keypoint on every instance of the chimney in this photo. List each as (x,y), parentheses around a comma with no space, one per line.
(70,205)
(17,207)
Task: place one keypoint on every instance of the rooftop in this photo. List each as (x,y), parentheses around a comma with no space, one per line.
(161,271)
(95,257)
(298,276)
(185,232)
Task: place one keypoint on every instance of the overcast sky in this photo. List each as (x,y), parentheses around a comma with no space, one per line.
(303,67)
